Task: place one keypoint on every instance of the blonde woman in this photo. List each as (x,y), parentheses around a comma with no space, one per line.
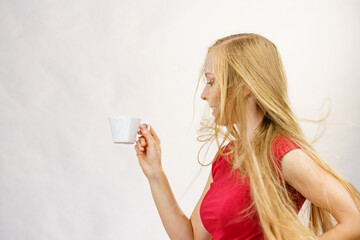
(261,177)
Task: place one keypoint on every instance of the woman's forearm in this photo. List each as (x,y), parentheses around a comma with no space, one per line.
(343,232)
(176,223)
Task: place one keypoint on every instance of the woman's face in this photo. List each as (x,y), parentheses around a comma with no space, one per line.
(211,92)
(213,99)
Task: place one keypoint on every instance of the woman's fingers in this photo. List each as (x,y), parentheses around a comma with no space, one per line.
(146,134)
(149,137)
(155,136)
(142,142)
(152,133)
(137,149)
(138,146)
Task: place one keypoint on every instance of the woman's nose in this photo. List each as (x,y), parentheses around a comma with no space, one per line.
(203,97)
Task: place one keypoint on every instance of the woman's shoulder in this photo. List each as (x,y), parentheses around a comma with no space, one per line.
(282,139)
(281,145)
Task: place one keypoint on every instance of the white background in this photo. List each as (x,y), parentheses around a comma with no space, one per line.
(65,66)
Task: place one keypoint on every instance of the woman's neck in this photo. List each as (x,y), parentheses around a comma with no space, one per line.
(254,117)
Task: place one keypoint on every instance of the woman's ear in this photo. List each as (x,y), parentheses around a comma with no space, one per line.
(247,92)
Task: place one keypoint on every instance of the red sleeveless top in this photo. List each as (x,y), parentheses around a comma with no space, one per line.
(228,195)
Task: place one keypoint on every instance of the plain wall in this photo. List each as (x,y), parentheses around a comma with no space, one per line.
(66,66)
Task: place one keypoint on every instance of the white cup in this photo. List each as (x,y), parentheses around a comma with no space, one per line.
(124,129)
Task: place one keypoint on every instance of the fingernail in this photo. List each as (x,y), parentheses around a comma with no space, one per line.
(142,127)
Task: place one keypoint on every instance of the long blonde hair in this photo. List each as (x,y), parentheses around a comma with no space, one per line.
(252,60)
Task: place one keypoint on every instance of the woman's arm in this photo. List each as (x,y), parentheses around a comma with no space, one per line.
(322,189)
(176,223)
(148,150)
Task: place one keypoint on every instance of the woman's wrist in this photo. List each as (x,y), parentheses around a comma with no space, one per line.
(156,175)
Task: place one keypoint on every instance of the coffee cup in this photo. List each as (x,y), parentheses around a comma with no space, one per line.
(124,129)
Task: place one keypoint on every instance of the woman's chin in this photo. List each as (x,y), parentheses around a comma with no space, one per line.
(217,120)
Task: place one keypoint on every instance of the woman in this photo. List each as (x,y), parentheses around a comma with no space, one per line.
(261,178)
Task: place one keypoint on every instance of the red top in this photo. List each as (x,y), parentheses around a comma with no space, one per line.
(227,196)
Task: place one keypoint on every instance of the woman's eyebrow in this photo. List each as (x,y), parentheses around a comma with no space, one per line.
(206,74)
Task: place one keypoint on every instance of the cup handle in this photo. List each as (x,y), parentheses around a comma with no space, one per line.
(140,135)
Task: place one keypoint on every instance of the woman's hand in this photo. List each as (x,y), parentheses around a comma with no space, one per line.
(148,152)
